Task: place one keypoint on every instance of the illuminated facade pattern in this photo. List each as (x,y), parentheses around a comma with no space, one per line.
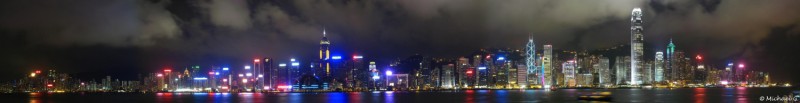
(530,58)
(659,67)
(637,46)
(547,65)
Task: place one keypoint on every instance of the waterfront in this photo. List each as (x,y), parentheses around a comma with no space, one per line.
(680,95)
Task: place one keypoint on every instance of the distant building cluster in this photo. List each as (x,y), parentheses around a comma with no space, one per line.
(529,68)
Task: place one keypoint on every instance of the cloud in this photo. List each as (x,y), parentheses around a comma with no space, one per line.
(228,13)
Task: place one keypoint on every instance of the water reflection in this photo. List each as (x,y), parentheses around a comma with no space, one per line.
(699,95)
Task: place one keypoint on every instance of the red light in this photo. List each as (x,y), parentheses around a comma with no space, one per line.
(225,87)
(167,70)
(38,71)
(469,72)
(159,75)
(256,60)
(699,57)
(49,85)
(488,57)
(210,73)
(741,65)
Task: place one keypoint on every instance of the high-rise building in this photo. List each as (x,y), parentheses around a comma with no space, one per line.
(547,66)
(622,70)
(604,72)
(637,46)
(670,73)
(324,55)
(530,60)
(569,73)
(659,67)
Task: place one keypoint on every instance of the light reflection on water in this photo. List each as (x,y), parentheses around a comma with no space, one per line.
(683,95)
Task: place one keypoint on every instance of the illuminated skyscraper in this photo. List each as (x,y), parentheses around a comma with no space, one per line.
(637,46)
(324,54)
(569,73)
(622,70)
(530,58)
(604,71)
(659,67)
(547,65)
(669,62)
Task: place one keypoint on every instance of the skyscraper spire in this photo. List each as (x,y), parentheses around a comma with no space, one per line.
(323,32)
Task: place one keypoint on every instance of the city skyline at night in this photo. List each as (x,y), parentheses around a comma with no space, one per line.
(145,36)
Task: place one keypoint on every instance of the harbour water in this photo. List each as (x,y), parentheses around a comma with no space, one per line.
(678,95)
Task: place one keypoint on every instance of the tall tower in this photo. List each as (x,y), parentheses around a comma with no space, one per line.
(637,45)
(547,67)
(325,54)
(530,57)
(670,61)
(659,67)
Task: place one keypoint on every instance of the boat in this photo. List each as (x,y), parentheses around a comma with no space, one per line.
(596,96)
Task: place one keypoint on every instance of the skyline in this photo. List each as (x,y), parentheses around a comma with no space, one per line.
(227,34)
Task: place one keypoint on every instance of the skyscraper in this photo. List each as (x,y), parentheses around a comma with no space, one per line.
(547,67)
(622,70)
(659,67)
(670,61)
(530,58)
(604,72)
(569,73)
(637,45)
(324,54)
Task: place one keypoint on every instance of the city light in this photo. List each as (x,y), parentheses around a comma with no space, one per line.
(292,59)
(282,64)
(38,71)
(33,74)
(336,57)
(481,68)
(225,68)
(249,74)
(501,58)
(723,82)
(388,73)
(469,72)
(167,70)
(741,65)
(159,75)
(225,80)
(284,86)
(256,60)
(358,57)
(261,75)
(216,73)
(241,75)
(698,57)
(244,80)
(200,78)
(295,64)
(49,85)
(247,67)
(376,77)
(210,73)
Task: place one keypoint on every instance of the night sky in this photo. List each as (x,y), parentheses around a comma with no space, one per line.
(125,37)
